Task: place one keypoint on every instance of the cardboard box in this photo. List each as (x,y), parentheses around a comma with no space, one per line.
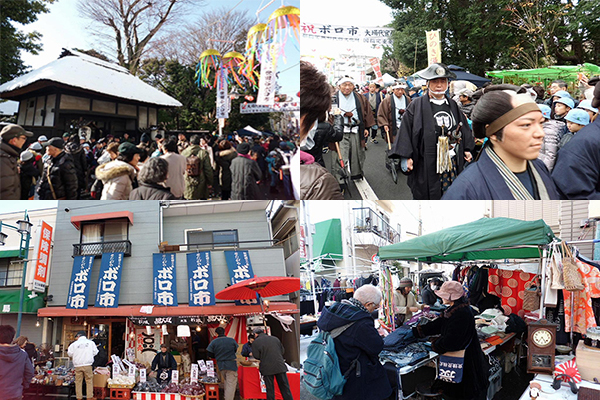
(587,362)
(100,381)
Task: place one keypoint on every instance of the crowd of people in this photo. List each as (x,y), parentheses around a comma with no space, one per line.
(121,167)
(453,141)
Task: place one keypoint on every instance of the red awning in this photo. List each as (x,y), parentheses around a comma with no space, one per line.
(78,219)
(160,311)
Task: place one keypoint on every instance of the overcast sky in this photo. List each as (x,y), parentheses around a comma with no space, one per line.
(64,27)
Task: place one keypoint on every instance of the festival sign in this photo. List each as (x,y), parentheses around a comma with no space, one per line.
(434,47)
(79,289)
(376,67)
(43,255)
(240,269)
(252,108)
(374,35)
(176,320)
(109,284)
(268,74)
(165,284)
(222,95)
(202,292)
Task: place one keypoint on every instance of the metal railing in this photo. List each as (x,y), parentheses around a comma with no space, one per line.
(367,220)
(99,248)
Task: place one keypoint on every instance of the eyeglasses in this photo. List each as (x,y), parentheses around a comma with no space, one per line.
(374,305)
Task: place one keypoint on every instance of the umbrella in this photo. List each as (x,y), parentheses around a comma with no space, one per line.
(264,286)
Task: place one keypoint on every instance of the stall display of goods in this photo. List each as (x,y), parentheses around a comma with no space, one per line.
(121,381)
(171,388)
(150,386)
(192,389)
(208,379)
(60,376)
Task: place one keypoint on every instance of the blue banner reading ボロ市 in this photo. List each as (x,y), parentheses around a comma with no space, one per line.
(202,292)
(79,289)
(240,269)
(165,283)
(109,282)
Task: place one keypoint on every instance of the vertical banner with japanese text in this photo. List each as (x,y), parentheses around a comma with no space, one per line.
(434,47)
(222,95)
(79,288)
(268,75)
(240,269)
(109,282)
(40,276)
(165,282)
(376,67)
(202,292)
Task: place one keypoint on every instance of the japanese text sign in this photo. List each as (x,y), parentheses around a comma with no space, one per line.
(268,74)
(202,292)
(79,288)
(109,283)
(240,269)
(222,96)
(165,283)
(376,67)
(347,33)
(42,260)
(434,47)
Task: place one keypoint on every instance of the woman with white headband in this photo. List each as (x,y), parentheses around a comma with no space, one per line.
(508,168)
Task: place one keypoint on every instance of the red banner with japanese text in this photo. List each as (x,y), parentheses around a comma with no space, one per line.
(42,258)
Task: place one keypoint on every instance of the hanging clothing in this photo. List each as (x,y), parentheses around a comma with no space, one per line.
(582,301)
(510,287)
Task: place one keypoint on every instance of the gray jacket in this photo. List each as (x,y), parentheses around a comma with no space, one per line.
(10,182)
(245,173)
(552,130)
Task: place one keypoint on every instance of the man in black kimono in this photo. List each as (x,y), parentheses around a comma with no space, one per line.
(426,119)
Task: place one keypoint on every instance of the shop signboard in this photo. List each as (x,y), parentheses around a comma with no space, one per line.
(194,374)
(165,283)
(42,251)
(109,283)
(202,292)
(79,288)
(146,345)
(240,269)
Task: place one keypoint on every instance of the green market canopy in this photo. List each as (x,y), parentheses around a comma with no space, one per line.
(565,72)
(484,239)
(327,240)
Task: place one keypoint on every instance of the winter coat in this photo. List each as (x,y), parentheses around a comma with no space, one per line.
(61,172)
(387,115)
(457,329)
(245,173)
(82,351)
(324,134)
(269,350)
(224,158)
(552,130)
(29,172)
(577,169)
(10,183)
(166,361)
(402,304)
(224,348)
(151,191)
(418,140)
(79,161)
(361,340)
(482,181)
(196,187)
(316,183)
(16,372)
(175,180)
(117,177)
(466,109)
(429,297)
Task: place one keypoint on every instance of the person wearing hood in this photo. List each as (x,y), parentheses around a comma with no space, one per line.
(457,330)
(118,176)
(245,174)
(16,369)
(12,139)
(83,351)
(405,303)
(359,339)
(75,150)
(197,180)
(224,156)
(153,173)
(59,180)
(429,296)
(29,173)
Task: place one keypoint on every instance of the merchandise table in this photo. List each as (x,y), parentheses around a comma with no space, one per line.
(506,339)
(564,393)
(409,375)
(250,387)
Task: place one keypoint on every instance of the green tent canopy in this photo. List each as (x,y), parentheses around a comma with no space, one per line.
(327,240)
(484,239)
(565,72)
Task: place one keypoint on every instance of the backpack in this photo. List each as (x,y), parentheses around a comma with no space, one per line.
(192,167)
(322,376)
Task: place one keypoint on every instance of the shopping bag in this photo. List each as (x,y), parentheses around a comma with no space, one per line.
(571,275)
(556,273)
(531,296)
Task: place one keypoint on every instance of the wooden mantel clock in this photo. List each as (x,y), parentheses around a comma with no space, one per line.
(541,343)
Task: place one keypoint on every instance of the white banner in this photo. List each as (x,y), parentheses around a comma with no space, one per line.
(347,33)
(268,75)
(252,108)
(434,47)
(222,96)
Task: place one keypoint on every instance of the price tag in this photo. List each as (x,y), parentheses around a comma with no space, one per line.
(210,368)
(131,373)
(194,374)
(143,375)
(202,365)
(174,376)
(115,370)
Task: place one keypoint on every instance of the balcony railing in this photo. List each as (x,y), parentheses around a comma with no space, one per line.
(99,248)
(367,220)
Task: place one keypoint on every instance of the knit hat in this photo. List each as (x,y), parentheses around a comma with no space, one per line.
(405,282)
(587,105)
(566,101)
(243,148)
(545,110)
(26,156)
(56,142)
(129,148)
(578,116)
(451,290)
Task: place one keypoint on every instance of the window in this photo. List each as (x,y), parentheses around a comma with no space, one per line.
(104,236)
(213,238)
(11,273)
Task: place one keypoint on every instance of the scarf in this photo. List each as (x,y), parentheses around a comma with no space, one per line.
(515,186)
(356,303)
(248,156)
